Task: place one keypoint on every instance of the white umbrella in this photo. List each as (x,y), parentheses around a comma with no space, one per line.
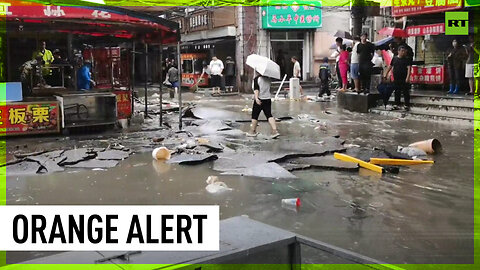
(264,66)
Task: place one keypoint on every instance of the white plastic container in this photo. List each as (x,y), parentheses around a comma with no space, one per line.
(294,92)
(161,153)
(292,202)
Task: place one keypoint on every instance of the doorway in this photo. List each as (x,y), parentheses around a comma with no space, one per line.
(284,46)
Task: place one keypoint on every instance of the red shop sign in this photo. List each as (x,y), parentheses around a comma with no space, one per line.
(29,118)
(415,7)
(427,75)
(422,30)
(124,104)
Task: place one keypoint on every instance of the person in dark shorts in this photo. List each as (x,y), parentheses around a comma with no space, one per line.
(229,74)
(262,102)
(324,75)
(216,69)
(401,65)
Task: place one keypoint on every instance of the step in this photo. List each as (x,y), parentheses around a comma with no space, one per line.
(442,101)
(439,106)
(416,114)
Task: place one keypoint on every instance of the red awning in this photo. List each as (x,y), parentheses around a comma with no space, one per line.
(105,21)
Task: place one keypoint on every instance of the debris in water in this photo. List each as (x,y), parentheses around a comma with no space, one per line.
(411,151)
(161,153)
(215,186)
(266,170)
(186,159)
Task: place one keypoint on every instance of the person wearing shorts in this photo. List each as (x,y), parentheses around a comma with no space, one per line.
(470,67)
(262,102)
(216,69)
(355,64)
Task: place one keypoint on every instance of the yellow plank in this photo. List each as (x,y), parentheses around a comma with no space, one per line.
(362,163)
(391,161)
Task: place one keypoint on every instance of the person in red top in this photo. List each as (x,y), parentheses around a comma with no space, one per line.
(343,66)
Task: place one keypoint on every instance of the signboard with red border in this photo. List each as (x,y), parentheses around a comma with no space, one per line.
(428,74)
(190,80)
(423,30)
(124,104)
(25,118)
(415,7)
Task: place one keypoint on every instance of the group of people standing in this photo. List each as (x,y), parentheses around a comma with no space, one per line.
(461,62)
(45,70)
(362,59)
(358,61)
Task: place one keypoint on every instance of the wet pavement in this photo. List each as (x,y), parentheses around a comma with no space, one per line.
(423,214)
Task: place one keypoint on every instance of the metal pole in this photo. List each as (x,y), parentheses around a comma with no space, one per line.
(161,84)
(132,94)
(179,63)
(146,80)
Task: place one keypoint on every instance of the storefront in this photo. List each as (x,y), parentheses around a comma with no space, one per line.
(79,34)
(426,31)
(290,31)
(205,33)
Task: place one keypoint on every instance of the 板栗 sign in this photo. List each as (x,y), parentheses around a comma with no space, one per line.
(291,17)
(29,118)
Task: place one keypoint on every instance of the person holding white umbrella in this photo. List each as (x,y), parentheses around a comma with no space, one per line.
(265,69)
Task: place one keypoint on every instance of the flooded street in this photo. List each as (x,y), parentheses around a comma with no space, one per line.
(423,214)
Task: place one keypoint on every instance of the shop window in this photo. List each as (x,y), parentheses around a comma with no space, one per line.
(187,66)
(296,35)
(278,35)
(198,65)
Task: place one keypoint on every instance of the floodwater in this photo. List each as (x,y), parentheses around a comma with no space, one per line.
(424,214)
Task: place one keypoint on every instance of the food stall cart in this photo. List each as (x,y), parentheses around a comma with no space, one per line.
(193,74)
(112,30)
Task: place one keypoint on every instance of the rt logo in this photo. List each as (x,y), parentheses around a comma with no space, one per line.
(456,23)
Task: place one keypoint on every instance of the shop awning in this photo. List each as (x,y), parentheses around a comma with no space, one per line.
(95,21)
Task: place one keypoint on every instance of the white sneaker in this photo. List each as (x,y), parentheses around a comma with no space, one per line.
(252,134)
(274,135)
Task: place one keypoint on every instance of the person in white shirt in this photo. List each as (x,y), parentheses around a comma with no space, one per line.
(377,59)
(297,71)
(216,69)
(355,64)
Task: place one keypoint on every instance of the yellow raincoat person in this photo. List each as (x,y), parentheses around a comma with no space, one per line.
(47,58)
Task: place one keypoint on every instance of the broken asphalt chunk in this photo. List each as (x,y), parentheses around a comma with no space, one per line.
(94,163)
(192,159)
(264,170)
(24,168)
(327,163)
(112,155)
(76,155)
